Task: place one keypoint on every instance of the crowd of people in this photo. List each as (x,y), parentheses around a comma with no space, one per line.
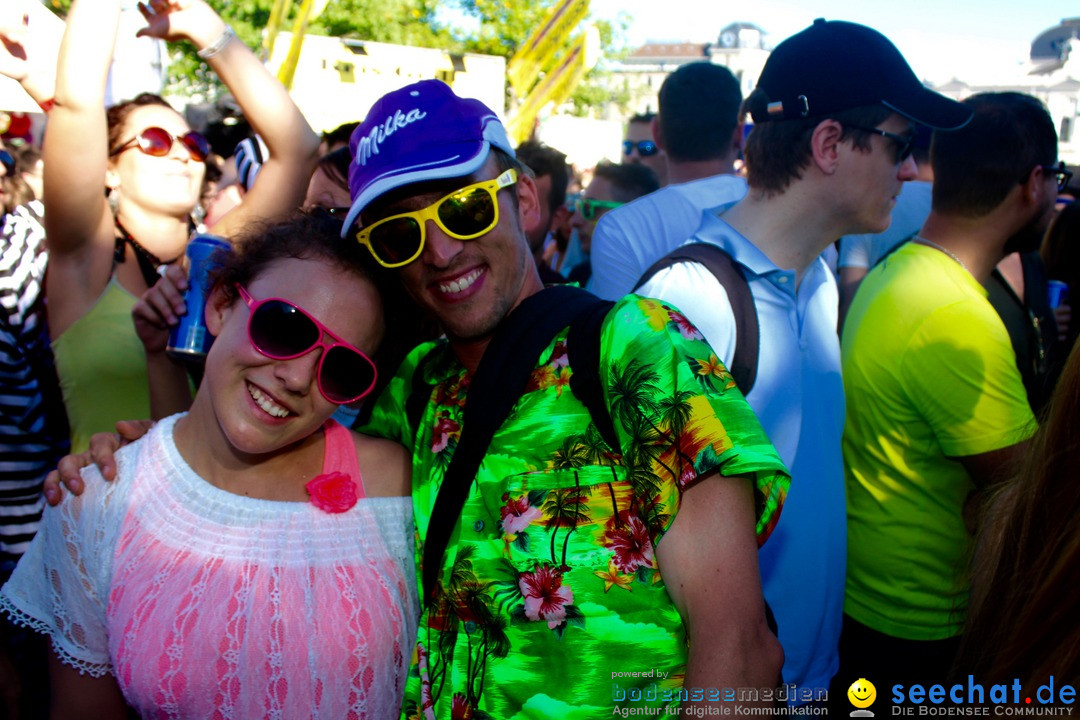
(479,436)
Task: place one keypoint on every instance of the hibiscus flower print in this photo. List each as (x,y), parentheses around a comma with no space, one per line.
(559,356)
(632,545)
(517,514)
(460,708)
(445,428)
(546,597)
(426,703)
(686,328)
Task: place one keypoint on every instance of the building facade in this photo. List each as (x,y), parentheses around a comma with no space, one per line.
(739,46)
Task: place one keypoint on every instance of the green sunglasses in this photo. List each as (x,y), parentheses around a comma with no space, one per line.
(589,208)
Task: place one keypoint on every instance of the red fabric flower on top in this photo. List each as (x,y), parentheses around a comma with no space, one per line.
(333,492)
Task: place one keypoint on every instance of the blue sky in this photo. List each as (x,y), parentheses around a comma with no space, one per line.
(971,39)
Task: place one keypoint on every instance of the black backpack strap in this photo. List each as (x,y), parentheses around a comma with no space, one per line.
(495,387)
(730,275)
(583,350)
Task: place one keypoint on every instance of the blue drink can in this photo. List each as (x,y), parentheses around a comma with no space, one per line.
(189,340)
(1058,293)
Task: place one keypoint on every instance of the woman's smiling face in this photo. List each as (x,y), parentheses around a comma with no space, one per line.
(260,404)
(170,184)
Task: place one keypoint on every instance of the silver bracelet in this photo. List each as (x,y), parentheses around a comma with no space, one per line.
(216,48)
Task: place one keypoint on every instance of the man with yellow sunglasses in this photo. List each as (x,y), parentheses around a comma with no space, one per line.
(464,214)
(554,592)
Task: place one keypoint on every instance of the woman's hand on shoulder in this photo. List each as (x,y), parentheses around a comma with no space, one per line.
(385,466)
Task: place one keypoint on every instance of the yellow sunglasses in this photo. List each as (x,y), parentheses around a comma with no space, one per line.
(463,214)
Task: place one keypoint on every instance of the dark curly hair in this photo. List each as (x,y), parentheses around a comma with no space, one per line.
(313,235)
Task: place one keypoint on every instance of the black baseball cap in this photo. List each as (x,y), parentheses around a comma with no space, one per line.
(835,65)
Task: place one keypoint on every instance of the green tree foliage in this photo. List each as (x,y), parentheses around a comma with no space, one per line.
(501,26)
(600,88)
(404,22)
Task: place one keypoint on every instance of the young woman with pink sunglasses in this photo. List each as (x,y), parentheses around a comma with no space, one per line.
(104,252)
(254,558)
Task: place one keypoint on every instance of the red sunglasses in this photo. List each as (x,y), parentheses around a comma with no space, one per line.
(282,331)
(159,142)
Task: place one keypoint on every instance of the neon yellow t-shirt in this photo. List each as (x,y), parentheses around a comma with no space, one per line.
(929,375)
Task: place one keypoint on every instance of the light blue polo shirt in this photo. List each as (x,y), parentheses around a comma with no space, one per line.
(799,398)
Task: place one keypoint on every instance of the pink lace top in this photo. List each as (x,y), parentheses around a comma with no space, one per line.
(206,604)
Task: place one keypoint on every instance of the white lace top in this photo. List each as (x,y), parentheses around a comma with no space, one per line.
(206,604)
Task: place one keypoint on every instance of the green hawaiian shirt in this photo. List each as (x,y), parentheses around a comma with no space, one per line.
(551,603)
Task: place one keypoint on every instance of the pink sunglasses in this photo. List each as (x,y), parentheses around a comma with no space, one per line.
(282,331)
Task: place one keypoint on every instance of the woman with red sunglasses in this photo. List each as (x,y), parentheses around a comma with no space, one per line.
(104,252)
(253,558)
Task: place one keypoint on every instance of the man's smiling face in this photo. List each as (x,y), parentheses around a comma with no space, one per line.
(471,285)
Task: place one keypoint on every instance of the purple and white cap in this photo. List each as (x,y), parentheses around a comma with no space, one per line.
(418,133)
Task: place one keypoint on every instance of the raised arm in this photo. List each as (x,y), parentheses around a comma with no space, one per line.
(292,144)
(28,50)
(75,150)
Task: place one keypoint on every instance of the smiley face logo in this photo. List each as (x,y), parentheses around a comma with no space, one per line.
(862,693)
